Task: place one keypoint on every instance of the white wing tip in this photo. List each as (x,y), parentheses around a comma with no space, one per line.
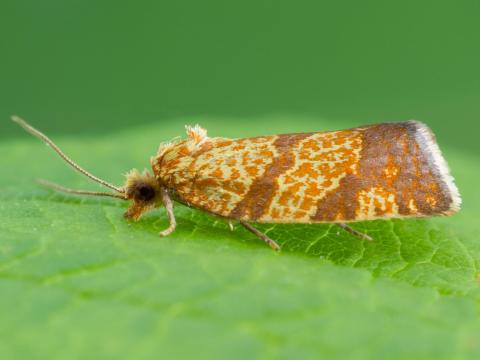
(426,138)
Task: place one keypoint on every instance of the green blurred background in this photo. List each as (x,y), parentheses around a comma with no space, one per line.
(83,67)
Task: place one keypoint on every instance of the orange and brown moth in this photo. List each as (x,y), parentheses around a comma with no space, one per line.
(384,171)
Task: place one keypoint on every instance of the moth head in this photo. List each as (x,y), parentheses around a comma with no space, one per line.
(144,192)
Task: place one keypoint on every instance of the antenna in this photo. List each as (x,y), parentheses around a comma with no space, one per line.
(60,188)
(50,143)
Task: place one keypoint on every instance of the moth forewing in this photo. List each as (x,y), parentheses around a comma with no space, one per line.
(373,172)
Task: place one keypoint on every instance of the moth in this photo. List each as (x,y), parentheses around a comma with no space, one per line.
(381,171)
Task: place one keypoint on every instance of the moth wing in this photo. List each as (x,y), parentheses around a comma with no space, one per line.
(380,171)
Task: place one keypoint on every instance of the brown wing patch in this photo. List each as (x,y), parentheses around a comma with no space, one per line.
(395,178)
(264,188)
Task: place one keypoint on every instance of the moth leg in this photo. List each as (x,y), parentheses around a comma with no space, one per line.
(354,232)
(230,225)
(261,235)
(167,202)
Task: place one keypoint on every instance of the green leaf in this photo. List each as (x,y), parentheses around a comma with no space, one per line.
(79,281)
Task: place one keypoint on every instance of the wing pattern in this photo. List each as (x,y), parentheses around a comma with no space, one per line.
(378,171)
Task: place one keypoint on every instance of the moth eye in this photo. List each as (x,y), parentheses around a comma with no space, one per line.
(144,192)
